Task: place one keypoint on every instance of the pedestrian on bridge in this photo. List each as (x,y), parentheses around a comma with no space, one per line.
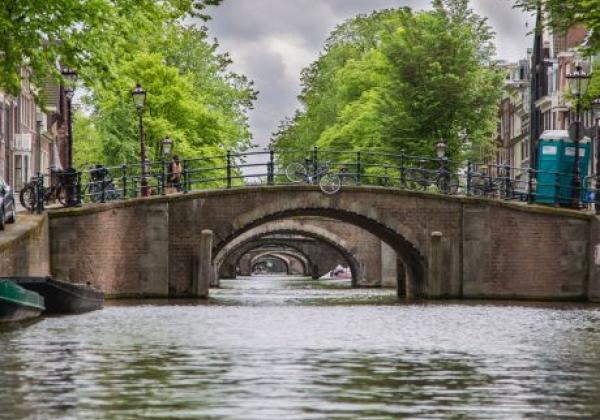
(175,171)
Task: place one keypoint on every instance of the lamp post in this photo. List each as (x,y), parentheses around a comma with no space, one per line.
(578,85)
(440,149)
(166,145)
(139,99)
(596,110)
(70,78)
(444,179)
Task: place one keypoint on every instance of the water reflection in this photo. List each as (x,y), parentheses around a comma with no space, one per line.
(269,348)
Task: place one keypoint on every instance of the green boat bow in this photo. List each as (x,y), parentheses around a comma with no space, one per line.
(17,303)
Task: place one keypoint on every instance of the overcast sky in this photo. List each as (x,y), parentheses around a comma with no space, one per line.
(270,41)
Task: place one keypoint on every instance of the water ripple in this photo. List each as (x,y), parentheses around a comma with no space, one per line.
(268,349)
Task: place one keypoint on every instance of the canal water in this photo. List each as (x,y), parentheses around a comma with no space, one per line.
(272,348)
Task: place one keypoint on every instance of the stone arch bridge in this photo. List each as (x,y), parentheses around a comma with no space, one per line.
(446,246)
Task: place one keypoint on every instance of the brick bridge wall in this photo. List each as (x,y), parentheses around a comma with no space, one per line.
(489,249)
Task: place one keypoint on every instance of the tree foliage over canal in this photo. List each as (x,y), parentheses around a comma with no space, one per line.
(401,80)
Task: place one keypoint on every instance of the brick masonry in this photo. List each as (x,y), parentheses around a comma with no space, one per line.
(490,249)
(24,247)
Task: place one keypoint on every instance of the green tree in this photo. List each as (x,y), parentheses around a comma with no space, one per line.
(173,108)
(399,80)
(563,14)
(192,97)
(86,35)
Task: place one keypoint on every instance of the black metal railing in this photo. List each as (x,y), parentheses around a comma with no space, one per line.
(231,169)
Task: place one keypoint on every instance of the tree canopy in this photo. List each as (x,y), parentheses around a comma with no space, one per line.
(191,98)
(85,35)
(563,14)
(401,80)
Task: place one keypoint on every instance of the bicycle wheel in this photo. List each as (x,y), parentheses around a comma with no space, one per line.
(416,179)
(347,179)
(330,184)
(448,184)
(479,185)
(296,172)
(27,197)
(61,195)
(95,192)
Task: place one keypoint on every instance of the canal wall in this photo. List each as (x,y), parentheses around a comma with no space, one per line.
(485,249)
(24,247)
(594,258)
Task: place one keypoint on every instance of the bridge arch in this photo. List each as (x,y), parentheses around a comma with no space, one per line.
(234,258)
(412,258)
(270,256)
(291,227)
(291,256)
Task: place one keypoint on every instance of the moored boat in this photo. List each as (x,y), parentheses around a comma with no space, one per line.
(17,303)
(62,297)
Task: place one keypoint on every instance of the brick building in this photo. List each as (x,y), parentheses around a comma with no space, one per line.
(554,109)
(32,137)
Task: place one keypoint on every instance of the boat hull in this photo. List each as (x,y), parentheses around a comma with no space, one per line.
(10,312)
(17,303)
(62,297)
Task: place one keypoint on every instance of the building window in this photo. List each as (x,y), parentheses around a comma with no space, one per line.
(21,171)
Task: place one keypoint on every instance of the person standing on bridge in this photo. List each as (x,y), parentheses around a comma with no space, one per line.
(175,171)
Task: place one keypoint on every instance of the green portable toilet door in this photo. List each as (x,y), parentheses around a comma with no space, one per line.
(569,164)
(549,158)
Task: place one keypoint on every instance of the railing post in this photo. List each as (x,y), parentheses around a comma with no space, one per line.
(271,168)
(124,180)
(469,177)
(402,169)
(103,186)
(163,177)
(386,179)
(315,162)
(79,190)
(39,194)
(443,176)
(358,167)
(530,193)
(507,183)
(597,192)
(186,177)
(557,189)
(229,169)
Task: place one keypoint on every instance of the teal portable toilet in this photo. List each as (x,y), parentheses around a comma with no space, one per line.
(555,163)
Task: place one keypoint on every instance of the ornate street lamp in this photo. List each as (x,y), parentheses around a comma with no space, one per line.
(167,146)
(139,99)
(70,79)
(579,82)
(440,149)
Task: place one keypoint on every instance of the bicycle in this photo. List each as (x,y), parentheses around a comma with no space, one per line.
(422,178)
(484,184)
(101,186)
(57,191)
(329,182)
